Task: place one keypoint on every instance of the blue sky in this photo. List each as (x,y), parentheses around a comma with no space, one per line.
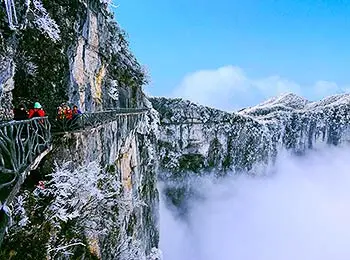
(299,41)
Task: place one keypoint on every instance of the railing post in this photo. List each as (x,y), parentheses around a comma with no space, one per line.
(21,142)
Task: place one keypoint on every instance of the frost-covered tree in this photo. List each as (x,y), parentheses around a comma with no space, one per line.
(43,21)
(34,14)
(88,203)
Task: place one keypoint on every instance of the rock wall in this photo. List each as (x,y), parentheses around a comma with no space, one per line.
(6,87)
(126,150)
(102,71)
(81,56)
(197,138)
(7,69)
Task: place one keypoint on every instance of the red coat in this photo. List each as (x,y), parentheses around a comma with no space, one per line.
(68,114)
(39,113)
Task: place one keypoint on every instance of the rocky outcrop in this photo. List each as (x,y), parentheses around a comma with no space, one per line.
(128,220)
(197,138)
(68,51)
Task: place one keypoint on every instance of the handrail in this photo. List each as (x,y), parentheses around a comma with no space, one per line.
(24,143)
(92,120)
(21,142)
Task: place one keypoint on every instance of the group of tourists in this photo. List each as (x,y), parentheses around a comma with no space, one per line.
(21,113)
(63,112)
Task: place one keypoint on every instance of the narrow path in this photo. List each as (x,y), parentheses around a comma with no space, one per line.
(23,144)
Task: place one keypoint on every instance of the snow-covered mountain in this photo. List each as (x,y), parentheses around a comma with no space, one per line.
(101,199)
(196,140)
(199,138)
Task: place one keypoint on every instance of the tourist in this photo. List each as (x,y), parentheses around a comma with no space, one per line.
(76,111)
(60,113)
(37,111)
(67,112)
(20,113)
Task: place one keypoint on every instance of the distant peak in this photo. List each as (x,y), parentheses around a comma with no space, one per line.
(333,100)
(287,99)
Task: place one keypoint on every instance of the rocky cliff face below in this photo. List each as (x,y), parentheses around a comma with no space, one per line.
(99,202)
(196,140)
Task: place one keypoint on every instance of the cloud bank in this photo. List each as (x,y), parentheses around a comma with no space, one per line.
(301,212)
(229,88)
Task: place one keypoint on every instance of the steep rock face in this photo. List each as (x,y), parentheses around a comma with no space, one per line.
(75,53)
(6,87)
(100,199)
(198,138)
(7,69)
(103,74)
(125,150)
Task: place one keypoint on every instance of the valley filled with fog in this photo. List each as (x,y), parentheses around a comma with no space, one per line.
(301,210)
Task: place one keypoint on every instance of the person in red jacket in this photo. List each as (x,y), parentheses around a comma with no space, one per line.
(37,111)
(67,112)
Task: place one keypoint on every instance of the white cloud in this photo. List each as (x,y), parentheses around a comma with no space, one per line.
(229,88)
(301,212)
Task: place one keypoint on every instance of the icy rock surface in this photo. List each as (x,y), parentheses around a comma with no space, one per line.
(66,51)
(196,138)
(99,202)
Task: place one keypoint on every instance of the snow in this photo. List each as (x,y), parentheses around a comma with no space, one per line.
(334,100)
(88,197)
(44,22)
(293,103)
(42,19)
(251,136)
(11,13)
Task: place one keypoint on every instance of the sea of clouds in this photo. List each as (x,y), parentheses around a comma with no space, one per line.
(301,211)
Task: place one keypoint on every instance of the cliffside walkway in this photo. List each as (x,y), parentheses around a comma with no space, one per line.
(92,120)
(23,144)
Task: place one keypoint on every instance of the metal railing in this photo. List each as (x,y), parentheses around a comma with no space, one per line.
(24,143)
(92,120)
(21,142)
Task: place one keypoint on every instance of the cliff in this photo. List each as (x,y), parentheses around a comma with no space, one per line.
(66,51)
(197,140)
(99,199)
(99,202)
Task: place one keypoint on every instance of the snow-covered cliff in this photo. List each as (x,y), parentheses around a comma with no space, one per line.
(197,138)
(99,202)
(65,51)
(100,199)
